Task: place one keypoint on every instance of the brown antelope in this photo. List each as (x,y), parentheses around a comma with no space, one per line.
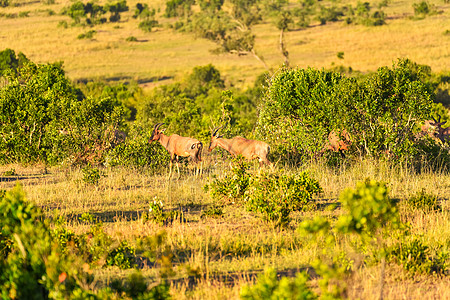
(338,142)
(178,146)
(249,149)
(442,133)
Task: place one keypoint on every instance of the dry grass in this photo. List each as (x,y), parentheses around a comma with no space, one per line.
(238,244)
(165,54)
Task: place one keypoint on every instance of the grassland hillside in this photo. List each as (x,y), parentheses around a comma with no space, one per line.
(34,28)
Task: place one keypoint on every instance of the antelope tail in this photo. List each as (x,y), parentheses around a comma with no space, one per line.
(198,155)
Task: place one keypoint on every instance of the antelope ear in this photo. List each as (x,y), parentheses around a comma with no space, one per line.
(220,136)
(162,131)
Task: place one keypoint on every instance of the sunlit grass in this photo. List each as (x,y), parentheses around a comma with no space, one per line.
(164,53)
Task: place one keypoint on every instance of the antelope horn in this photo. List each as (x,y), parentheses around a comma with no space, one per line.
(157,126)
(214,131)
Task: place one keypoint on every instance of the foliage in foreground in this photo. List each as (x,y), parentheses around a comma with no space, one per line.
(38,263)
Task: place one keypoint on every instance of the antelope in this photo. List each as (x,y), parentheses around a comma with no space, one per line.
(442,133)
(178,146)
(338,142)
(249,149)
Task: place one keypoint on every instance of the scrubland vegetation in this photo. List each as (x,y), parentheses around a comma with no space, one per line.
(87,209)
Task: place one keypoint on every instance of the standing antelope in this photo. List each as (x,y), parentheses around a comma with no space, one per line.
(250,149)
(178,146)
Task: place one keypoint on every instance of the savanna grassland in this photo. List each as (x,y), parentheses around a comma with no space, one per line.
(165,53)
(88,210)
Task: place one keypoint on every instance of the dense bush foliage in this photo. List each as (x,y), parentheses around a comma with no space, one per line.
(272,193)
(276,195)
(379,112)
(191,107)
(31,267)
(46,119)
(37,262)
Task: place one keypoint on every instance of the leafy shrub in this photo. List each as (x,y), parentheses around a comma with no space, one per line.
(11,172)
(269,287)
(123,256)
(87,218)
(87,35)
(136,151)
(423,201)
(131,39)
(234,185)
(91,175)
(46,119)
(417,257)
(276,195)
(158,215)
(368,208)
(35,268)
(301,107)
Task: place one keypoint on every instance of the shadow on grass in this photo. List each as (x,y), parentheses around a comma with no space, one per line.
(233,278)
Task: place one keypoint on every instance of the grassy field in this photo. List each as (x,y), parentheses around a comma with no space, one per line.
(213,258)
(227,252)
(165,54)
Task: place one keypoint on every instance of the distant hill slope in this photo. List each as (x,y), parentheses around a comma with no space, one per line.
(33,28)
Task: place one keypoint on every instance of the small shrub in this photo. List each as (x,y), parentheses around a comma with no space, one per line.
(158,215)
(87,218)
(269,287)
(91,175)
(423,201)
(88,35)
(368,208)
(213,212)
(416,257)
(276,195)
(11,172)
(131,39)
(421,8)
(147,25)
(234,185)
(123,256)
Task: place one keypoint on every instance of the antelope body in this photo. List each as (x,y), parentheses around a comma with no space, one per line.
(434,129)
(337,142)
(177,146)
(249,149)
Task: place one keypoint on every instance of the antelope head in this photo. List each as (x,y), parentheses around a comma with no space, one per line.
(214,136)
(156,134)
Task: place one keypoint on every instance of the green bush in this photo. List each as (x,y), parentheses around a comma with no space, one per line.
(91,175)
(368,208)
(416,257)
(122,256)
(234,185)
(269,286)
(136,151)
(302,106)
(46,119)
(423,201)
(34,267)
(276,195)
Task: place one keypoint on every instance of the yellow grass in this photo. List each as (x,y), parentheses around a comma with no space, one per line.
(164,53)
(240,244)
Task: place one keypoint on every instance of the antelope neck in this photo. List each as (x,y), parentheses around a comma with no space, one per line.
(164,140)
(225,144)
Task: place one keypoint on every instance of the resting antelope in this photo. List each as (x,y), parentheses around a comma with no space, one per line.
(442,133)
(178,146)
(338,142)
(249,149)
